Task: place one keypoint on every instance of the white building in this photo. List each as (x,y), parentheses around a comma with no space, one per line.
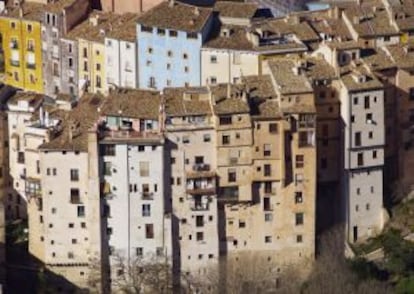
(121,56)
(132,168)
(362,113)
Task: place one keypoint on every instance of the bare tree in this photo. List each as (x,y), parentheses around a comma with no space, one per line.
(137,275)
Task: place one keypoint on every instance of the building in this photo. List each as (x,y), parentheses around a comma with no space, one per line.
(58,19)
(121,54)
(132,163)
(89,37)
(125,6)
(72,203)
(362,113)
(169,47)
(191,143)
(20,28)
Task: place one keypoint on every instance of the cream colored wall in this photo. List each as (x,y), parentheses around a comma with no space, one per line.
(225,70)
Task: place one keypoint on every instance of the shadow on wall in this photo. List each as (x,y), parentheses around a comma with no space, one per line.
(37,279)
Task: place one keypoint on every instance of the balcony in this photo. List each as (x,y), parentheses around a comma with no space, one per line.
(147,195)
(32,188)
(200,170)
(199,206)
(229,194)
(126,135)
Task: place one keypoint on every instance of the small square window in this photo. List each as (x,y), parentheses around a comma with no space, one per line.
(268,239)
(299,239)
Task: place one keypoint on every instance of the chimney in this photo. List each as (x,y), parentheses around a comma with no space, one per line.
(21,12)
(197,11)
(171,3)
(228,90)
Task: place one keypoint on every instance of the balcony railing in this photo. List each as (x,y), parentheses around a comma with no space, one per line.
(147,195)
(201,190)
(199,206)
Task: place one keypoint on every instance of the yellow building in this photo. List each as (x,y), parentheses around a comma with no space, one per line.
(20,29)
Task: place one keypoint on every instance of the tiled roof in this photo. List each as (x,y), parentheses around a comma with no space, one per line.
(284,26)
(378,60)
(132,103)
(238,40)
(335,28)
(236,102)
(346,45)
(351,82)
(236,9)
(401,55)
(59,5)
(32,98)
(31,11)
(187,101)
(125,28)
(318,69)
(83,117)
(370,19)
(105,21)
(177,16)
(288,81)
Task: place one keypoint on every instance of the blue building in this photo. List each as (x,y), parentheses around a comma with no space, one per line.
(169,40)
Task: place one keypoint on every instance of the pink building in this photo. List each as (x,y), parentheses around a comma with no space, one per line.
(123,6)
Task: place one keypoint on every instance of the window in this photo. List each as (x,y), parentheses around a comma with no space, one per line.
(231,175)
(267,169)
(54,171)
(107,171)
(13,25)
(161,32)
(213,80)
(411,93)
(355,100)
(74,196)
(71,255)
(226,139)
(144,168)
(169,53)
(367,206)
(98,82)
(185,56)
(149,50)
(186,69)
(81,211)
(299,239)
(74,241)
(268,217)
(146,29)
(369,118)
(146,209)
(352,118)
(206,138)
(74,175)
(186,140)
(199,221)
(20,157)
(200,236)
(370,135)
(299,161)
(173,33)
(374,154)
(85,52)
(98,66)
(213,59)
(360,159)
(149,231)
(366,102)
(268,239)
(108,150)
(139,251)
(266,204)
(273,128)
(267,149)
(225,120)
(192,36)
(298,197)
(299,218)
(358,139)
